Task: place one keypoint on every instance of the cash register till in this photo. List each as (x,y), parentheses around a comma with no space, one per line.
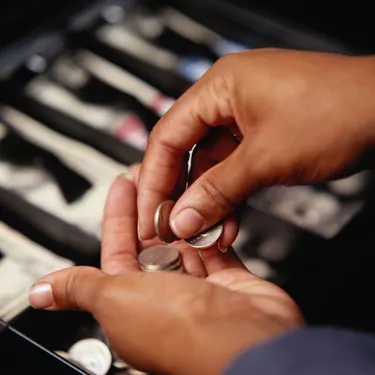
(81,85)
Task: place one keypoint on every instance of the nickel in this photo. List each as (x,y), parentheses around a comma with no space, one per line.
(207,238)
(161,222)
(201,241)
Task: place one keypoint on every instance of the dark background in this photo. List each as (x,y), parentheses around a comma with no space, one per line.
(352,22)
(20,17)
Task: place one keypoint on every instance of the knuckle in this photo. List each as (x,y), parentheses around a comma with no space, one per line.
(72,286)
(227,61)
(225,68)
(78,287)
(217,88)
(153,136)
(214,196)
(159,136)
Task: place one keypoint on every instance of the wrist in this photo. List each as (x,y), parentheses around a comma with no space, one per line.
(219,345)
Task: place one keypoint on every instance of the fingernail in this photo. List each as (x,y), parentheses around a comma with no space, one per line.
(139,232)
(40,296)
(126,175)
(187,223)
(223,249)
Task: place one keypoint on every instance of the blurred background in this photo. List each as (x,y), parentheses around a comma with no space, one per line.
(82,83)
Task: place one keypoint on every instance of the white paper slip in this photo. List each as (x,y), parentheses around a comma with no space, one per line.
(124,81)
(125,125)
(81,158)
(122,39)
(37,186)
(23,264)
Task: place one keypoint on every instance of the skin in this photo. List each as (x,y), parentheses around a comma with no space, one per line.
(300,117)
(169,323)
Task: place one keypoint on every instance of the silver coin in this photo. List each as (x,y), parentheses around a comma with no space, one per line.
(161,222)
(207,238)
(159,258)
(350,186)
(66,356)
(120,364)
(133,371)
(93,355)
(63,354)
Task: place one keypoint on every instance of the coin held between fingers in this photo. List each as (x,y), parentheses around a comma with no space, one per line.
(187,223)
(161,222)
(201,241)
(206,239)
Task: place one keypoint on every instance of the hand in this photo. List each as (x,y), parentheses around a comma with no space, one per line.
(168,323)
(301,118)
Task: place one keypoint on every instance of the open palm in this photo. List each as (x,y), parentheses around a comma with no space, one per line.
(168,322)
(120,247)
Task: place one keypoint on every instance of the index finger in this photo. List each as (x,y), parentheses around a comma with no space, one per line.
(119,238)
(204,105)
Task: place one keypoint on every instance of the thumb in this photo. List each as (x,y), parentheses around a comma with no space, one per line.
(215,194)
(72,288)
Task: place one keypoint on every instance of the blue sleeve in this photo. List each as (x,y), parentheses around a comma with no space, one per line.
(310,351)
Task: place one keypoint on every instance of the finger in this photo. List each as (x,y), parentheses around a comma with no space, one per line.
(182,179)
(206,104)
(214,260)
(214,148)
(119,235)
(191,260)
(214,195)
(135,170)
(180,185)
(72,288)
(217,146)
(230,233)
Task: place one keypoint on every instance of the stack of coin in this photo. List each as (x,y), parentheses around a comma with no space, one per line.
(160,258)
(201,241)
